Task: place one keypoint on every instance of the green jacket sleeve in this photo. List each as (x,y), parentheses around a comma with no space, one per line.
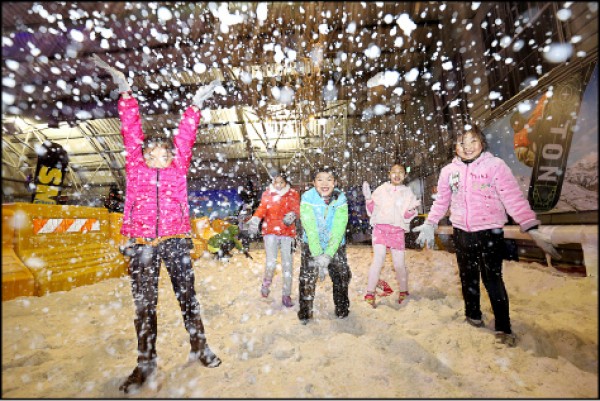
(238,244)
(309,224)
(340,221)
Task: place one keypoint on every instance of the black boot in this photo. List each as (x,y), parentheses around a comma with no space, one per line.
(305,312)
(206,357)
(138,377)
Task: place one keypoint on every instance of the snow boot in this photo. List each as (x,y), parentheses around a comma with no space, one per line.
(264,290)
(385,287)
(138,377)
(370,299)
(206,357)
(402,296)
(286,300)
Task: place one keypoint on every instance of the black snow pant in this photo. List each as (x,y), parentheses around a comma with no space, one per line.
(481,253)
(144,269)
(340,274)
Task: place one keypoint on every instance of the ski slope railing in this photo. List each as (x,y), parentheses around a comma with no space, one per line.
(586,235)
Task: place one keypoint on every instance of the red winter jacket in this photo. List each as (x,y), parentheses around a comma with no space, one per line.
(156,200)
(274,205)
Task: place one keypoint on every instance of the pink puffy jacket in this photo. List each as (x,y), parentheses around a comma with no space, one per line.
(393,205)
(156,200)
(479,195)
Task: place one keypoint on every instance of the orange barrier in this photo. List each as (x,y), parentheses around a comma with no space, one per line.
(17,280)
(219,225)
(201,233)
(67,246)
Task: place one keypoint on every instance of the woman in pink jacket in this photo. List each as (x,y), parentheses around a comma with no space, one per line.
(391,206)
(480,189)
(156,219)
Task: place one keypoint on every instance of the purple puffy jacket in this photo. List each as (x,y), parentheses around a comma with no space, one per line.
(156,200)
(479,195)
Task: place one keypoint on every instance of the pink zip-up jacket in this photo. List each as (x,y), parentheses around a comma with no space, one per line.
(392,205)
(156,200)
(480,194)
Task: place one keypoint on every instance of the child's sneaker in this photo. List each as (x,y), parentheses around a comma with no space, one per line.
(475,322)
(385,287)
(286,300)
(264,290)
(370,299)
(402,296)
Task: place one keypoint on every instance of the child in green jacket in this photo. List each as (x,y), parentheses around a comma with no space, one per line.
(324,216)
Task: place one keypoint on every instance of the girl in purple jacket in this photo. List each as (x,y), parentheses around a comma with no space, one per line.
(156,219)
(391,207)
(480,190)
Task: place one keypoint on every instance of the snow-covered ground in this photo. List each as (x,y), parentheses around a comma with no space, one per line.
(82,343)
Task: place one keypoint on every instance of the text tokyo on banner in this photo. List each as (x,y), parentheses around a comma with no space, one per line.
(552,138)
(50,173)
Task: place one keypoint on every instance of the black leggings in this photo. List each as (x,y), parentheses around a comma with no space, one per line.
(144,269)
(340,274)
(481,253)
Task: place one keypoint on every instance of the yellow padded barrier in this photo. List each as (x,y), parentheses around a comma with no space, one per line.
(115,224)
(17,280)
(67,246)
(219,225)
(202,228)
(201,232)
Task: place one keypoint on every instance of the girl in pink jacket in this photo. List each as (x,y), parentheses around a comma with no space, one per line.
(156,219)
(480,189)
(391,206)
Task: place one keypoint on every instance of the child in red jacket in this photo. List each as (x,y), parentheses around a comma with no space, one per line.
(279,207)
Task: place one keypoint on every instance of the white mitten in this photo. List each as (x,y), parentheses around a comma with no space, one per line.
(321,263)
(289,218)
(426,234)
(366,189)
(117,76)
(253,225)
(543,241)
(204,92)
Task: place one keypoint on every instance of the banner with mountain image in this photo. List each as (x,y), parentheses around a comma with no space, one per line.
(551,145)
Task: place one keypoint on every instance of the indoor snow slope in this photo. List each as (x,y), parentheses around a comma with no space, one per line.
(82,343)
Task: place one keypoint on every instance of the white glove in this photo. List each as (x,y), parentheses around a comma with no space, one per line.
(366,190)
(253,225)
(204,92)
(543,241)
(321,262)
(289,218)
(426,234)
(117,76)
